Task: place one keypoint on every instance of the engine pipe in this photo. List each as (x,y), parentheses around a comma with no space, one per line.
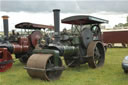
(56,25)
(5,24)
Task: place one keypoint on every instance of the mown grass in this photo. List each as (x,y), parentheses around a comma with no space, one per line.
(110,74)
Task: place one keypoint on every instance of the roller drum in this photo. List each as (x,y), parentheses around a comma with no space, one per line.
(40,66)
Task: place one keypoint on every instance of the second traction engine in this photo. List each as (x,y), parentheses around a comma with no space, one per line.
(19,45)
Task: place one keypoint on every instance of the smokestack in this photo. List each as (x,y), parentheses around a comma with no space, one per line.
(56,25)
(5,24)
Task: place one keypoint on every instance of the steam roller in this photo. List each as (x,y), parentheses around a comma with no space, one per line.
(80,45)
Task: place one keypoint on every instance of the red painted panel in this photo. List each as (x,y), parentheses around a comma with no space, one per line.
(115,37)
(5,56)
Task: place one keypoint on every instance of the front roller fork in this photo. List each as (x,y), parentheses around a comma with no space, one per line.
(44,66)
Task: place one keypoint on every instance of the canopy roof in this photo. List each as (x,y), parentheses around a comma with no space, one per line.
(83,20)
(27,25)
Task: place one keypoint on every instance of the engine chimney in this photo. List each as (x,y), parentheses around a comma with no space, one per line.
(5,24)
(56,25)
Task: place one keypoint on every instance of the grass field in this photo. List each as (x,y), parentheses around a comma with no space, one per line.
(110,74)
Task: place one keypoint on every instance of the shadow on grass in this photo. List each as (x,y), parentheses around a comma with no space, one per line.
(79,68)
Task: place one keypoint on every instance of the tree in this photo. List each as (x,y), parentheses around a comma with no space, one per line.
(127,19)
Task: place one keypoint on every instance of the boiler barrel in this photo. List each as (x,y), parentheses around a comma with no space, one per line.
(70,50)
(66,50)
(15,48)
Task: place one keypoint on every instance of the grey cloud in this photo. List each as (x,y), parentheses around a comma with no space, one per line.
(111,6)
(72,6)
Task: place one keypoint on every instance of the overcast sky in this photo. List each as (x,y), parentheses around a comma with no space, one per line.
(67,6)
(40,11)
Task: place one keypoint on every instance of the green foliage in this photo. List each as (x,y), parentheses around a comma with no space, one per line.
(126,24)
(110,74)
(121,24)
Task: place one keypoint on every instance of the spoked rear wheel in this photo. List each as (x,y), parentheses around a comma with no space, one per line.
(97,55)
(42,66)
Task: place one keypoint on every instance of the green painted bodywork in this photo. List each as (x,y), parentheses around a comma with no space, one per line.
(49,51)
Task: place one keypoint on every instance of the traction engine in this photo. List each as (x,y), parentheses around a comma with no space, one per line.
(82,44)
